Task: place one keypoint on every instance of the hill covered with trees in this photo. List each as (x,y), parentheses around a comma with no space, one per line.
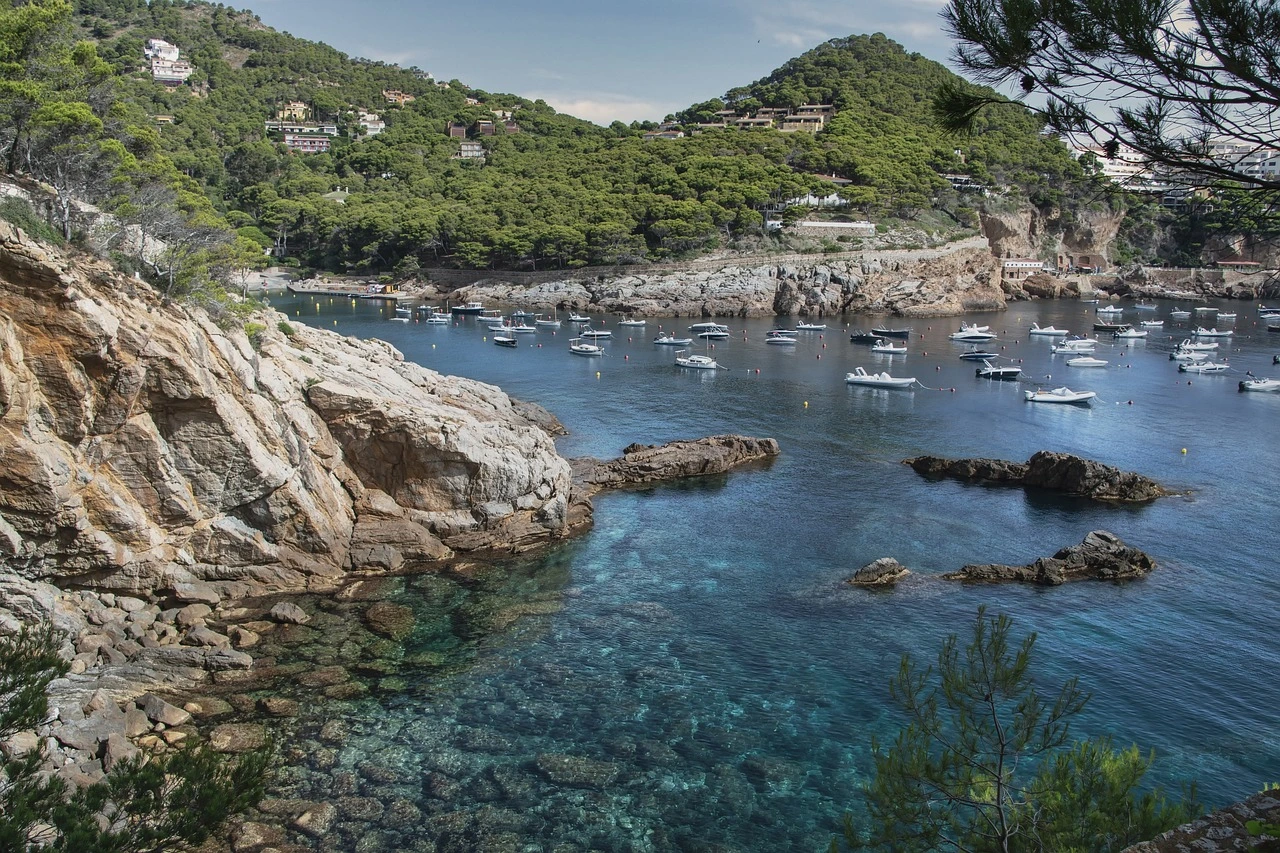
(538,189)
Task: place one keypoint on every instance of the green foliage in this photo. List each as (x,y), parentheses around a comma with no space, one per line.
(286,329)
(985,762)
(150,803)
(18,211)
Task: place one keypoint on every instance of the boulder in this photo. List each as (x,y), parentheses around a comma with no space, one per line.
(1059,472)
(885,571)
(160,711)
(289,613)
(575,771)
(237,737)
(1101,556)
(646,463)
(394,621)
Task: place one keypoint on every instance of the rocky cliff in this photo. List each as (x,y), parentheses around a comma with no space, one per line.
(144,448)
(912,283)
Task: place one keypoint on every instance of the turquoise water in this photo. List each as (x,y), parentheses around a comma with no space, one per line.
(692,674)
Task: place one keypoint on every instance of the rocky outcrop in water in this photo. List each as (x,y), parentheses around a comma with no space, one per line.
(885,571)
(1101,556)
(913,283)
(1059,472)
(1224,831)
(649,463)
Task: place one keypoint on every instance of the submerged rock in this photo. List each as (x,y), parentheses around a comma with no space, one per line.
(1059,472)
(1101,556)
(885,571)
(576,771)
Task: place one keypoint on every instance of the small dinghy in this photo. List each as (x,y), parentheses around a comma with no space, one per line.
(877,380)
(668,339)
(1152,324)
(1202,332)
(595,333)
(971,335)
(579,347)
(810,327)
(1179,314)
(781,337)
(631,321)
(1086,361)
(1203,367)
(505,341)
(889,348)
(1059,395)
(976,354)
(1047,331)
(698,362)
(1130,332)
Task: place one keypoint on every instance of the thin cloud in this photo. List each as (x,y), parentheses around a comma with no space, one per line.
(805,24)
(604,108)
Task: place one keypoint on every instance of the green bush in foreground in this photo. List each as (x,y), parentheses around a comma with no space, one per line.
(986,763)
(151,803)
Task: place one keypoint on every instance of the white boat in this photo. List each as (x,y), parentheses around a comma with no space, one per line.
(578,318)
(499,327)
(1086,361)
(630,321)
(1189,345)
(505,341)
(715,334)
(545,322)
(595,333)
(810,327)
(1047,331)
(878,380)
(1204,309)
(1145,306)
(468,308)
(971,335)
(1202,332)
(1152,324)
(1264,311)
(486,316)
(1076,345)
(708,327)
(1179,314)
(403,314)
(1203,367)
(668,339)
(698,362)
(992,371)
(1130,332)
(439,319)
(1257,384)
(523,329)
(888,348)
(967,327)
(1187,355)
(1229,316)
(1059,395)
(780,337)
(1110,309)
(580,347)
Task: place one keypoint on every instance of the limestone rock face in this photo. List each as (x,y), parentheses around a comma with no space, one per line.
(885,571)
(145,449)
(915,283)
(1101,556)
(1059,472)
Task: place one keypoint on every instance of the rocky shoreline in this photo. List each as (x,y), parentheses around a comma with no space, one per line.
(1056,472)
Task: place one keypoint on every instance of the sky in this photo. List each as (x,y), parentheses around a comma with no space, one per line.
(602,60)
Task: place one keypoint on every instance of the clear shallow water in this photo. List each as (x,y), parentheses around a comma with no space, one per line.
(698,645)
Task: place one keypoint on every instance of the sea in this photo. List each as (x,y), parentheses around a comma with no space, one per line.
(695,674)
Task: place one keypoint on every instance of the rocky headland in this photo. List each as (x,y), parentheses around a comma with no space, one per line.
(1058,472)
(1101,556)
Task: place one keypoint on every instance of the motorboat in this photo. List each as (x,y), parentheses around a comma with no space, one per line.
(780,333)
(500,326)
(993,371)
(878,380)
(709,327)
(1047,331)
(1275,359)
(1256,384)
(595,333)
(1130,332)
(1204,309)
(439,319)
(698,362)
(781,337)
(1264,311)
(715,334)
(1089,301)
(970,336)
(1059,395)
(630,321)
(668,339)
(973,327)
(1202,332)
(1229,316)
(467,308)
(1179,314)
(1188,355)
(1197,346)
(975,354)
(1078,345)
(1109,327)
(545,322)
(865,337)
(1203,367)
(1086,361)
(1145,306)
(894,333)
(523,328)
(1110,309)
(579,347)
(505,341)
(1152,324)
(403,314)
(810,327)
(488,316)
(889,348)
(521,314)
(579,318)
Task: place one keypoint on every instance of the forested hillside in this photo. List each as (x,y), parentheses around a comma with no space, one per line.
(550,190)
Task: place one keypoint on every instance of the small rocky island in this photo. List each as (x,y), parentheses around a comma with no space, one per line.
(650,463)
(1101,556)
(1058,472)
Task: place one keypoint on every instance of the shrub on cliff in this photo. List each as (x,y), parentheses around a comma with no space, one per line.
(986,763)
(149,803)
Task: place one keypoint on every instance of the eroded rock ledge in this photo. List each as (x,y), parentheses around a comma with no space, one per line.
(649,463)
(1059,472)
(1101,556)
